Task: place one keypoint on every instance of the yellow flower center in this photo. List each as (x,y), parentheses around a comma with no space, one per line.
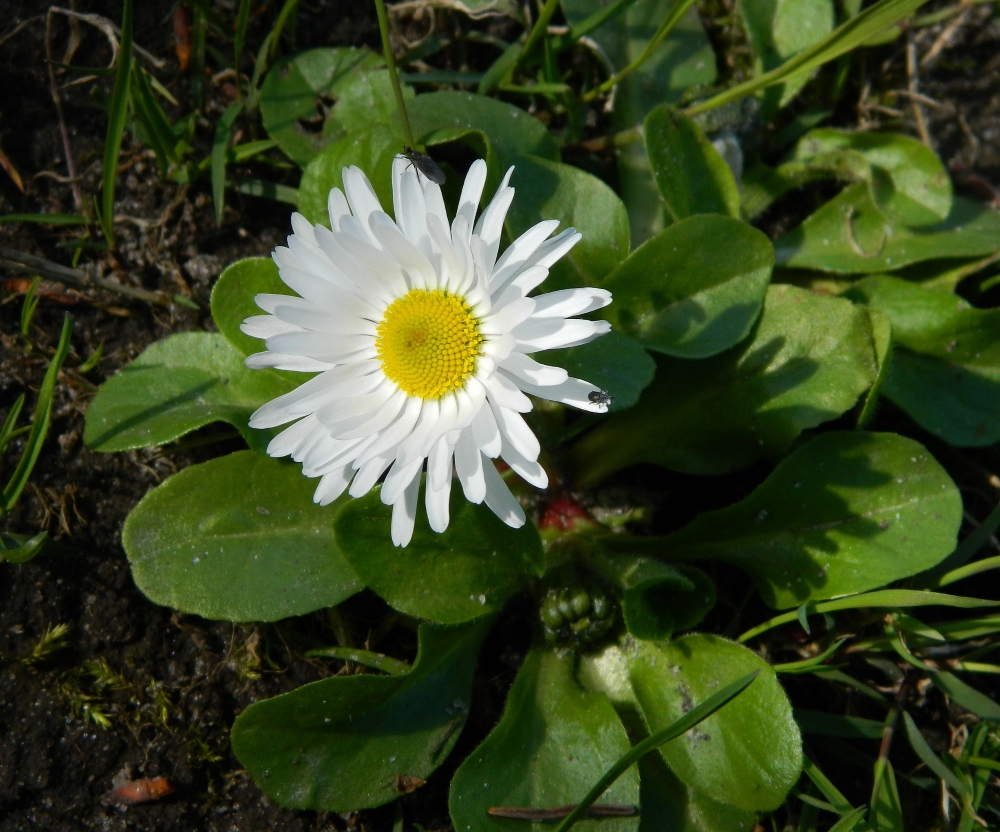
(428,342)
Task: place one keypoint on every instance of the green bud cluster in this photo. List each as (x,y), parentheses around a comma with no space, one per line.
(577,615)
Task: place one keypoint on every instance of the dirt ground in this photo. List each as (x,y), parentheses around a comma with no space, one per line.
(135,690)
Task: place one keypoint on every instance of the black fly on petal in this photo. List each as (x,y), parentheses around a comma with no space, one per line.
(425,164)
(600,397)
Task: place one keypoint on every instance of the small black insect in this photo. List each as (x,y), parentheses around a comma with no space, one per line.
(601,397)
(425,164)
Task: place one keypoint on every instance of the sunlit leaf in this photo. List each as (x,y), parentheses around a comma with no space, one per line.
(353,742)
(695,289)
(807,361)
(175,386)
(946,372)
(466,572)
(845,513)
(555,740)
(237,538)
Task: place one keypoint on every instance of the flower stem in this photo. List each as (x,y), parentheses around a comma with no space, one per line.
(383,25)
(538,31)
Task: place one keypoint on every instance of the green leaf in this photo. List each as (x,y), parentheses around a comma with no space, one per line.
(657,599)
(554,741)
(237,538)
(807,361)
(845,513)
(339,744)
(909,183)
(233,298)
(852,33)
(882,340)
(946,374)
(682,60)
(175,386)
(668,804)
(497,131)
(781,30)
(548,190)
(372,150)
(21,548)
(750,751)
(691,175)
(695,289)
(851,235)
(466,572)
(614,362)
(292,87)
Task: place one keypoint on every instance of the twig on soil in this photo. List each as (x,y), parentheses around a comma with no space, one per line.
(111,32)
(18,261)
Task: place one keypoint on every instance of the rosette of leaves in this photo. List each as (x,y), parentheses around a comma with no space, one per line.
(713,366)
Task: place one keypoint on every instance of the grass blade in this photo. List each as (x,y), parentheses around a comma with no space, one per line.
(40,422)
(879,598)
(155,124)
(966,695)
(116,124)
(808,664)
(7,429)
(386,664)
(25,551)
(45,219)
(843,39)
(949,571)
(829,791)
(923,750)
(672,731)
(268,190)
(848,822)
(223,130)
(242,18)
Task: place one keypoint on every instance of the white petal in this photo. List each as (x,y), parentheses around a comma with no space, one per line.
(301,227)
(439,463)
(381,418)
(567,302)
(332,485)
(436,502)
(454,267)
(344,390)
(324,381)
(503,392)
(573,391)
(412,447)
(417,267)
(516,431)
(528,469)
(320,345)
(499,347)
(336,204)
(398,479)
(468,202)
(552,333)
(411,215)
(368,475)
(397,431)
(490,224)
(323,320)
(434,202)
(360,195)
(500,500)
(355,410)
(404,513)
(551,250)
(376,268)
(278,361)
(469,467)
(266,326)
(519,252)
(291,438)
(315,289)
(486,433)
(529,370)
(521,285)
(504,320)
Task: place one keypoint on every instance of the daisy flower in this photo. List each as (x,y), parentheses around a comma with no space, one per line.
(422,341)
